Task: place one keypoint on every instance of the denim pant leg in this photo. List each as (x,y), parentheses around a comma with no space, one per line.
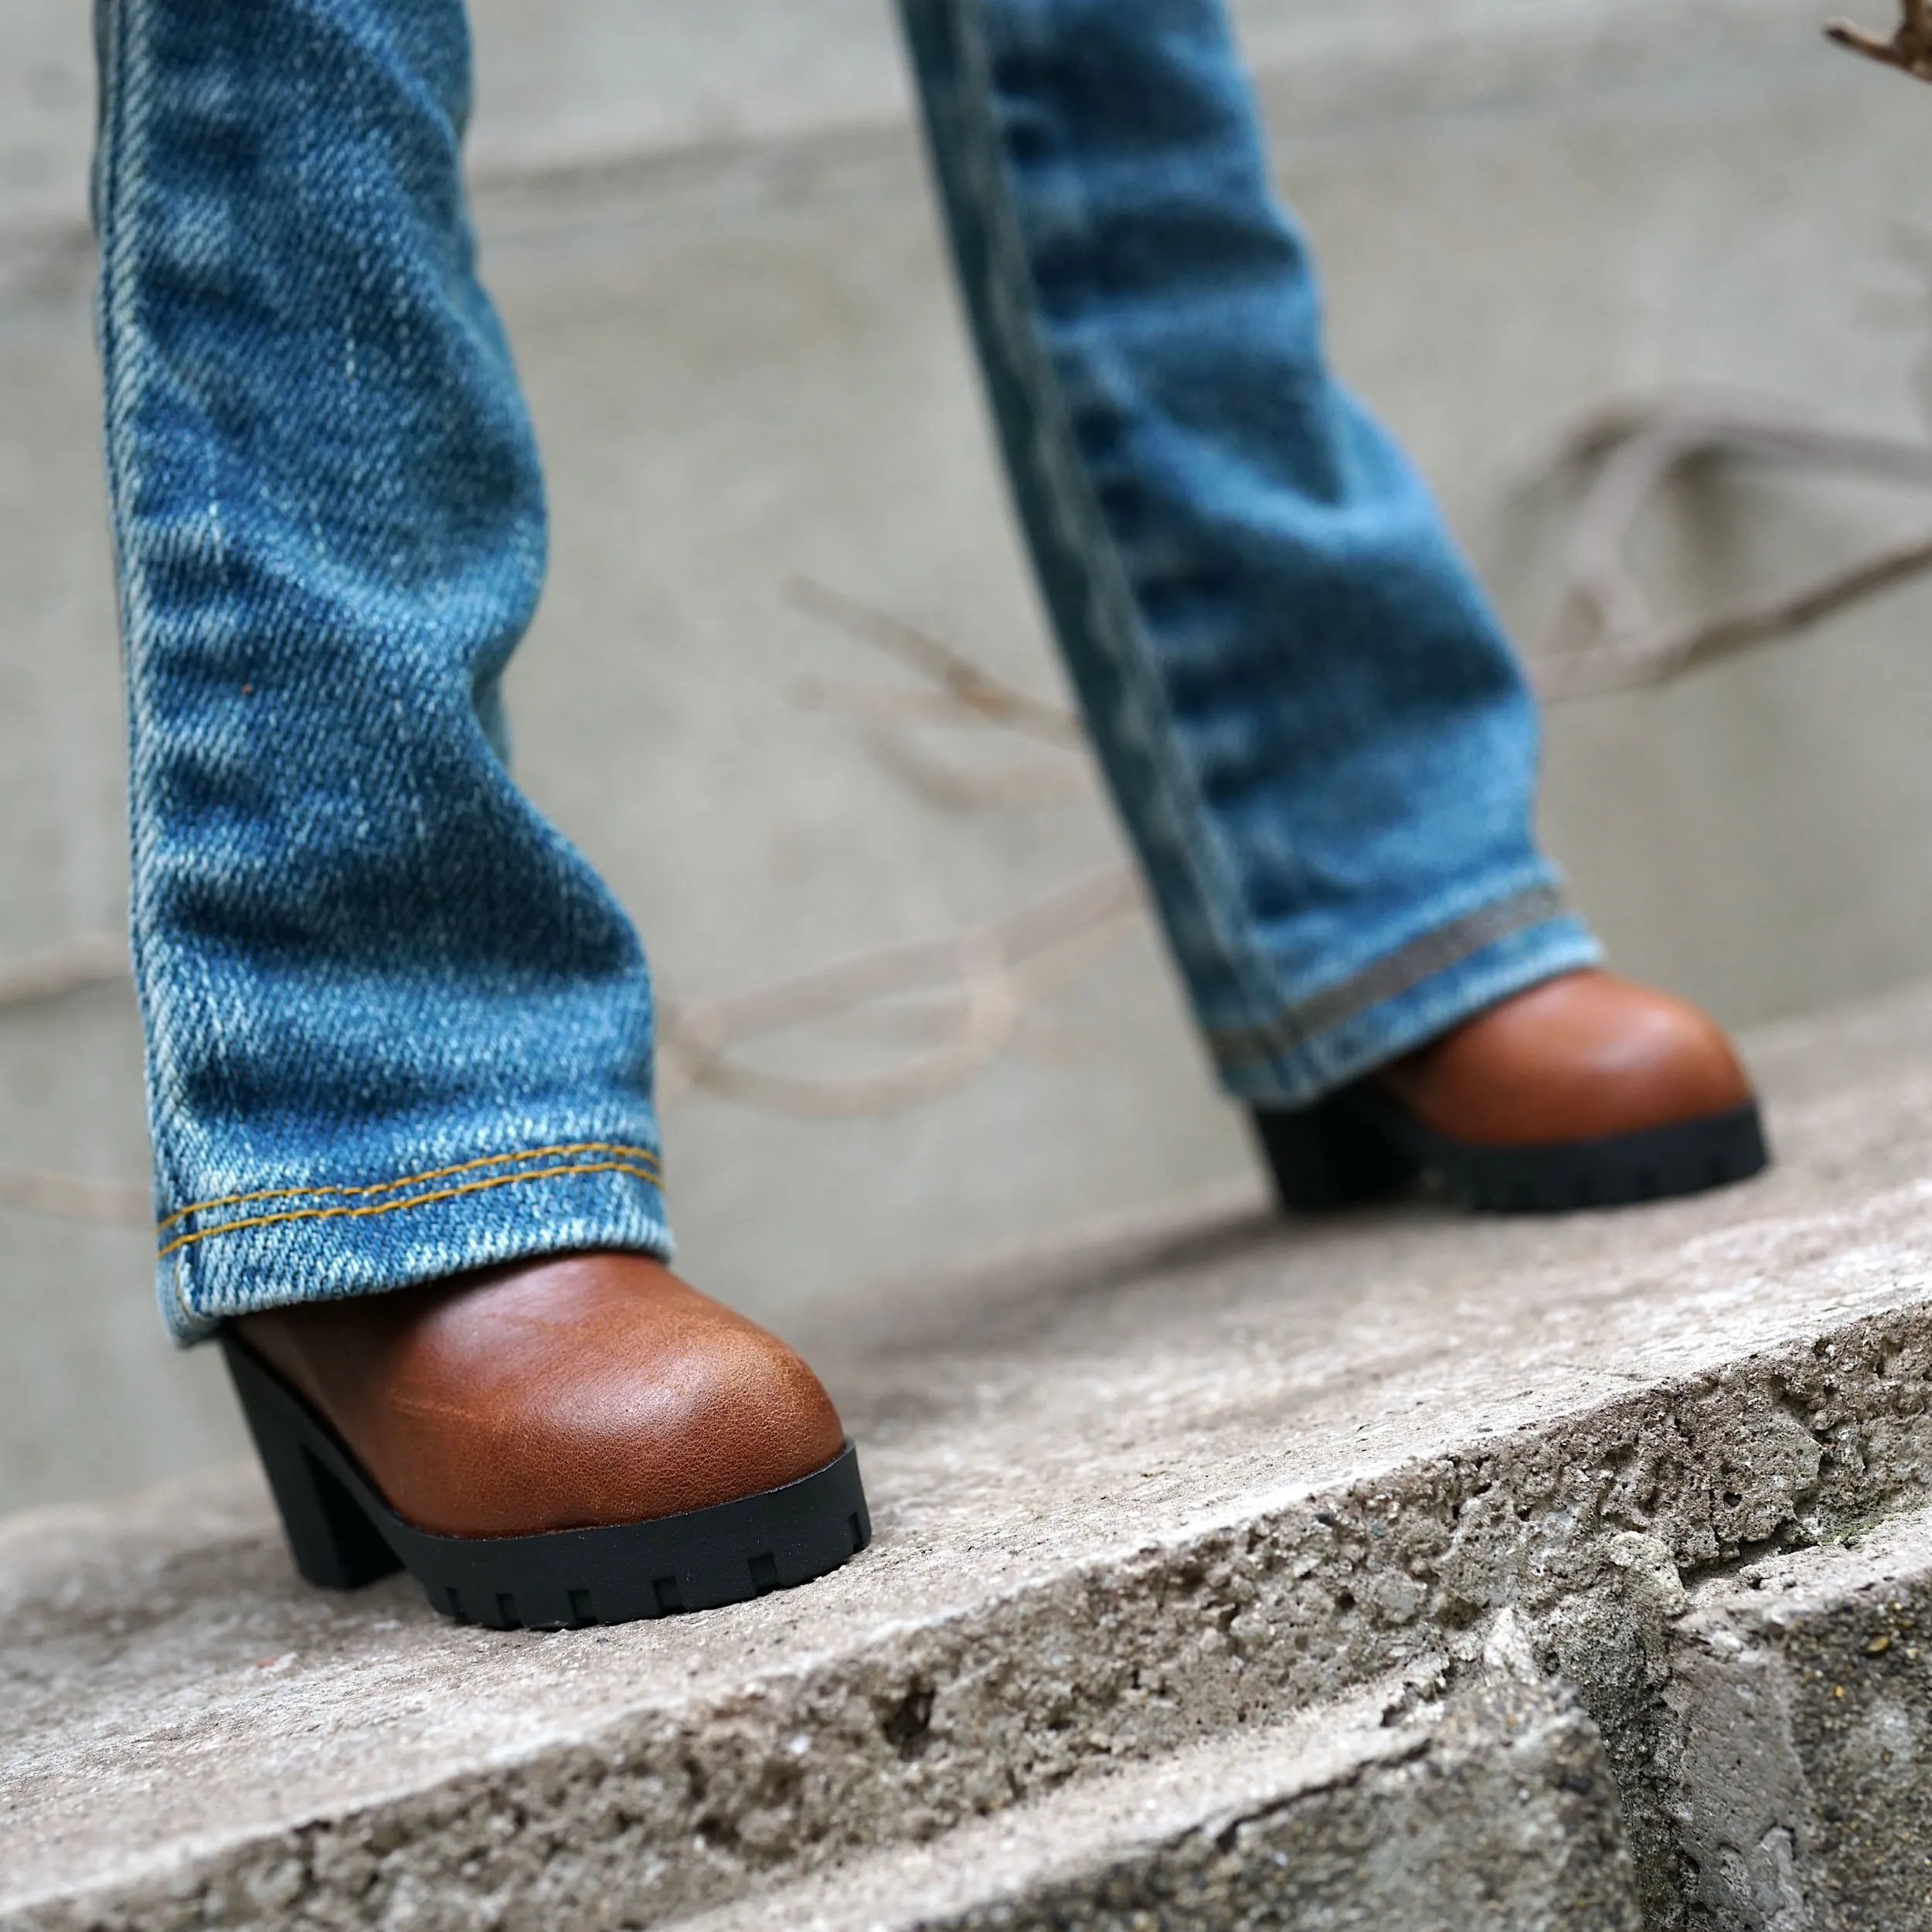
(1321,744)
(396,1027)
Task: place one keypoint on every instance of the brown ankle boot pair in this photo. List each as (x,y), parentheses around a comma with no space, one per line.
(587,1440)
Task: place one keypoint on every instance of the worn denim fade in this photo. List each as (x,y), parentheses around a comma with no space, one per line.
(397,1028)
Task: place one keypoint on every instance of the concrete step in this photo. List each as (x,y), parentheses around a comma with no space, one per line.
(1496,1810)
(1136,1492)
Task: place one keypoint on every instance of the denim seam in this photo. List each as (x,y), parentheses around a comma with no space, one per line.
(125,99)
(644,1154)
(1109,602)
(415,1201)
(1389,977)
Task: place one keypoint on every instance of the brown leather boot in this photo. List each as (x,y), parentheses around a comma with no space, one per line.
(577,1440)
(1586,1091)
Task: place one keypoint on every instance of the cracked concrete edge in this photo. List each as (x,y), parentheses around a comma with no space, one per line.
(1768,1729)
(1245,1620)
(1493,1807)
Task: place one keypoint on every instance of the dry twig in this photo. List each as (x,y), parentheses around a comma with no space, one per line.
(1056,780)
(977,696)
(1602,636)
(94,959)
(1035,785)
(976,986)
(1909,47)
(989,977)
(71,1197)
(1667,655)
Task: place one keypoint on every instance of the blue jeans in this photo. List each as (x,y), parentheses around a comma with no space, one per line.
(396,1026)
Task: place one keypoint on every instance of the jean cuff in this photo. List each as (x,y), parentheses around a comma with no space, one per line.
(1454,970)
(269,1248)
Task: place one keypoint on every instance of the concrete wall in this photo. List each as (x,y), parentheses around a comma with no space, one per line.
(713,247)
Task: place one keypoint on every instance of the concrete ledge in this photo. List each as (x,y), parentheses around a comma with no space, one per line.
(1132,1495)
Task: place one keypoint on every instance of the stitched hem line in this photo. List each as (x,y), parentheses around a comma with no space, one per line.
(643,1154)
(1387,978)
(636,1167)
(463,1235)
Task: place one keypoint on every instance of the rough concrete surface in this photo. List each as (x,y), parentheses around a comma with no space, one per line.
(1149,1488)
(1494,1808)
(1775,1765)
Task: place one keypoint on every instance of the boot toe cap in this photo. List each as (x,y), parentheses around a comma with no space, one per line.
(1585,1056)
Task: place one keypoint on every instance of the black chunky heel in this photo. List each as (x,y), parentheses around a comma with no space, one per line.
(335,1545)
(343,1533)
(1331,1155)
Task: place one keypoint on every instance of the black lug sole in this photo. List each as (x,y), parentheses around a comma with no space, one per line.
(1354,1146)
(343,1535)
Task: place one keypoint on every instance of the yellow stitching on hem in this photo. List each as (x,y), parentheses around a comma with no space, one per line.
(415,1200)
(408,1180)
